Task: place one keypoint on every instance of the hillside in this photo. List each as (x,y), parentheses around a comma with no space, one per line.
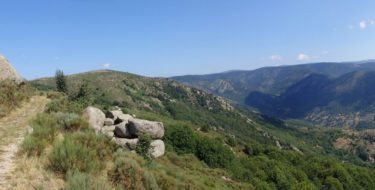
(236,85)
(225,147)
(295,91)
(346,101)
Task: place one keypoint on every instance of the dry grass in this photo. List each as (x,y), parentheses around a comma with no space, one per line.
(12,129)
(31,174)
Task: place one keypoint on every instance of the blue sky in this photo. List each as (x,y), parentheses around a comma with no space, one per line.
(176,37)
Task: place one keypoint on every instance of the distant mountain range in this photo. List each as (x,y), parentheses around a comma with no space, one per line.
(327,94)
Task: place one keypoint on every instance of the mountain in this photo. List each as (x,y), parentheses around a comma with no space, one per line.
(210,143)
(7,72)
(344,101)
(271,80)
(323,93)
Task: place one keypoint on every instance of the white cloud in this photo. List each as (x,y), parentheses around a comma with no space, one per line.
(303,57)
(372,22)
(276,58)
(350,27)
(363,24)
(106,65)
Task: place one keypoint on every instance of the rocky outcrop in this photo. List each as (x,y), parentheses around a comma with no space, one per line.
(154,129)
(7,72)
(95,117)
(124,129)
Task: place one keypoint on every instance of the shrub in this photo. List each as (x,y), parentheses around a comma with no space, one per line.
(182,138)
(80,152)
(70,121)
(11,95)
(128,174)
(214,153)
(58,105)
(83,181)
(143,147)
(44,131)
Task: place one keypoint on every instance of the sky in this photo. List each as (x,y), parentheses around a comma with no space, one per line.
(178,37)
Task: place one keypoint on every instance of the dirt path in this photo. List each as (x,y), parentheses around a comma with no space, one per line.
(12,130)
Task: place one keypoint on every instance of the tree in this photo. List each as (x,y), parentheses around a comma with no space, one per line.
(60,79)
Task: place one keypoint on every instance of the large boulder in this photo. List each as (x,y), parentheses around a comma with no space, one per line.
(138,126)
(157,148)
(95,117)
(109,122)
(7,72)
(121,130)
(118,116)
(130,144)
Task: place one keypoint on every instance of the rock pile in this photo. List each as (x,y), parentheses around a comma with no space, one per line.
(124,129)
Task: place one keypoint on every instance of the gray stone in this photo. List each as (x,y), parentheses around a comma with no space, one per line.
(154,129)
(109,122)
(108,128)
(109,134)
(129,144)
(95,117)
(157,148)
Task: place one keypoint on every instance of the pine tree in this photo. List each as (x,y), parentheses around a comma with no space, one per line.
(61,82)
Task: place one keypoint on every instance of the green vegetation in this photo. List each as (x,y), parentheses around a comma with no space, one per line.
(209,146)
(83,181)
(12,95)
(143,147)
(61,85)
(80,151)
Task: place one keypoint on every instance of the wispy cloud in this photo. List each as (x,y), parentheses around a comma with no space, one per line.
(363,24)
(276,58)
(106,65)
(303,57)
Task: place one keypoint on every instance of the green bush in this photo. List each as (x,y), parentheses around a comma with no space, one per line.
(143,147)
(58,105)
(83,151)
(214,153)
(68,155)
(128,174)
(182,138)
(70,121)
(83,181)
(44,131)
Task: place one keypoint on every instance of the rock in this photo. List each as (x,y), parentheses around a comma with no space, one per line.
(7,72)
(118,116)
(130,144)
(95,117)
(157,148)
(109,115)
(109,134)
(109,122)
(154,129)
(121,130)
(108,128)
